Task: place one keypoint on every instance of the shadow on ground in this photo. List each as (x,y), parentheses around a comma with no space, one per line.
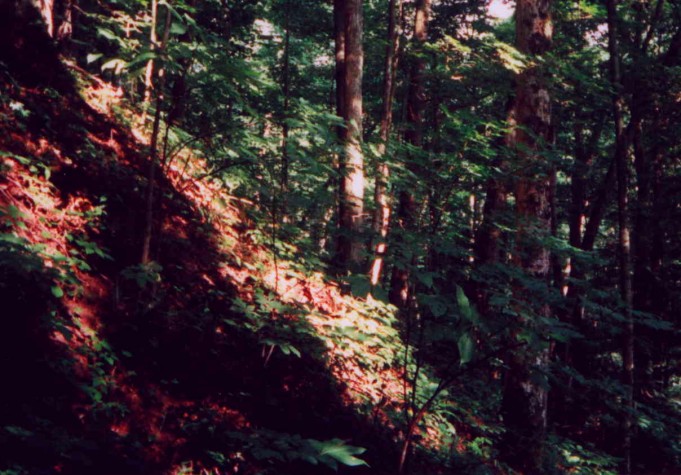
(182,385)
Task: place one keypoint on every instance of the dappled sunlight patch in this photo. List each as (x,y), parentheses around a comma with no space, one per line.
(355,342)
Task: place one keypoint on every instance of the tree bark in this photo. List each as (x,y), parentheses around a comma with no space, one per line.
(149,71)
(381,218)
(407,209)
(624,244)
(154,162)
(47,11)
(339,40)
(351,205)
(284,179)
(524,404)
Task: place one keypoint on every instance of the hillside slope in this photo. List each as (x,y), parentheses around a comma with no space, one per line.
(217,358)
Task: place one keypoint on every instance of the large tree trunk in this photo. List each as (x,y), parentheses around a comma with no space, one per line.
(524,405)
(381,218)
(407,209)
(351,205)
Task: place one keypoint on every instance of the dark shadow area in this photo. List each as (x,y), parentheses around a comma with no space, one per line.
(182,383)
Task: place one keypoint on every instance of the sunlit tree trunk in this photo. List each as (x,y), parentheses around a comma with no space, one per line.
(624,242)
(524,405)
(381,218)
(47,12)
(407,209)
(351,203)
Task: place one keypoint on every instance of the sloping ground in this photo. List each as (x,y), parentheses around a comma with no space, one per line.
(216,359)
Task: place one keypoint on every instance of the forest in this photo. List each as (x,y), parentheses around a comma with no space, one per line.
(306,237)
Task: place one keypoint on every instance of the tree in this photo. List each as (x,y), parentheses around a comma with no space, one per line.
(407,209)
(381,218)
(522,164)
(159,84)
(524,405)
(623,237)
(350,69)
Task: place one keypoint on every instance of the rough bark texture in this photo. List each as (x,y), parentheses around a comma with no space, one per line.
(351,209)
(407,209)
(524,405)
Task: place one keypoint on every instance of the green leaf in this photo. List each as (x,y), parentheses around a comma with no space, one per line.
(57,291)
(466,346)
(92,57)
(178,29)
(360,285)
(436,304)
(141,58)
(116,64)
(108,34)
(467,310)
(18,431)
(426,278)
(345,454)
(288,349)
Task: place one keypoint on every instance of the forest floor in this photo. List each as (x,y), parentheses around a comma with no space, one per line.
(219,357)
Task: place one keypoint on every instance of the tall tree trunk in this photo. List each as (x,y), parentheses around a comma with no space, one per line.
(339,80)
(351,203)
(585,152)
(407,209)
(339,40)
(149,71)
(624,243)
(524,404)
(284,180)
(154,162)
(488,236)
(381,218)
(47,11)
